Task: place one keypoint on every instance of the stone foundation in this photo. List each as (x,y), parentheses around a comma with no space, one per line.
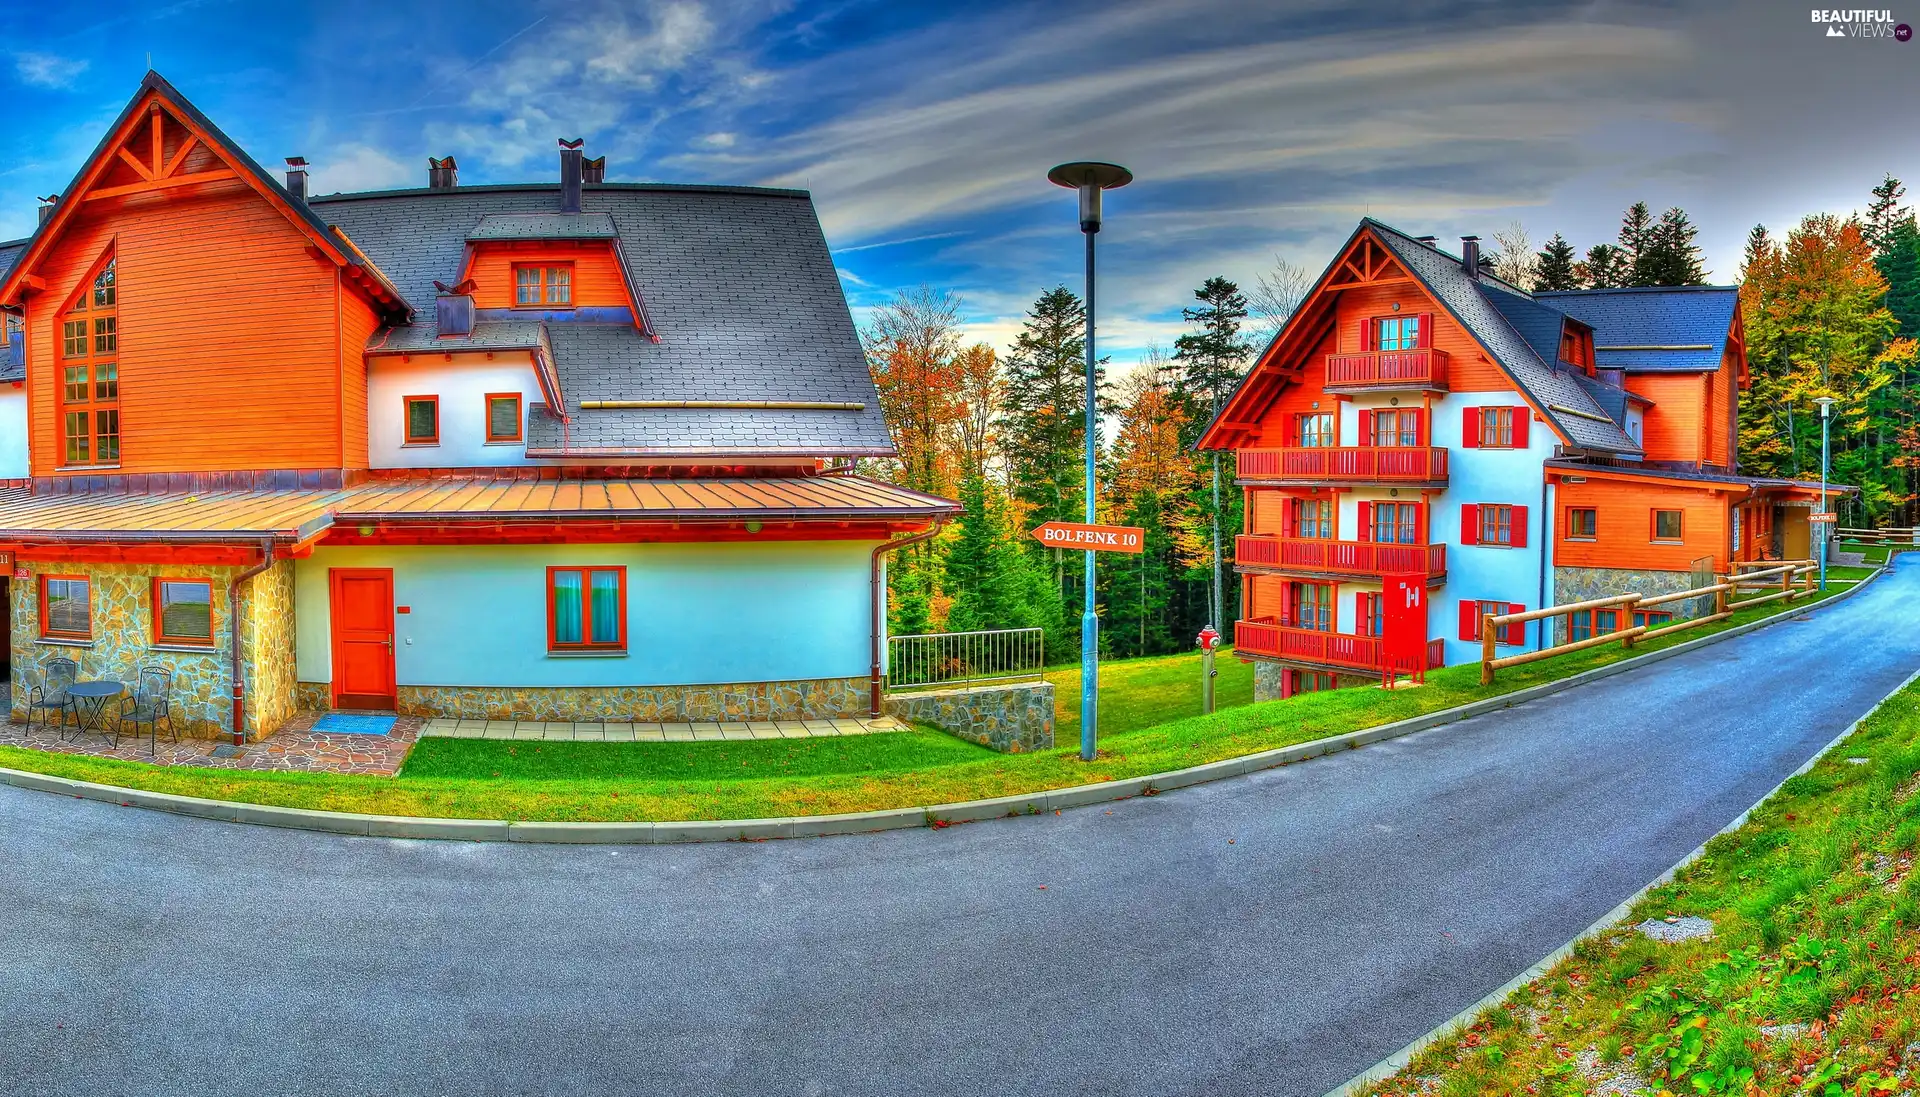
(1580,584)
(1266,680)
(1013,718)
(815,699)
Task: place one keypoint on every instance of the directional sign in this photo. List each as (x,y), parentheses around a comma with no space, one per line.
(1076,535)
(1828,518)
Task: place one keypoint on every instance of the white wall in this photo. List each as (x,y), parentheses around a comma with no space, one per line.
(462,385)
(13,432)
(697,614)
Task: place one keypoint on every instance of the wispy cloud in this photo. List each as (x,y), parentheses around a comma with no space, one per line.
(360,167)
(47,70)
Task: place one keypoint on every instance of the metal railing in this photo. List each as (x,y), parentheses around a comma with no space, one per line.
(937,660)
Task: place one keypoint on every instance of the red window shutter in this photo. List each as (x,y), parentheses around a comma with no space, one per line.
(1520,418)
(1426,329)
(1469,523)
(1292,527)
(1366,427)
(1469,619)
(1366,521)
(1366,334)
(1470,428)
(1360,619)
(1516,633)
(1519,527)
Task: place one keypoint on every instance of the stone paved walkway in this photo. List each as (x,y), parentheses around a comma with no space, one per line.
(593,731)
(296,746)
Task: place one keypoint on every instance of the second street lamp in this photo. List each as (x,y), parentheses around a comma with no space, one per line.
(1090,179)
(1826,409)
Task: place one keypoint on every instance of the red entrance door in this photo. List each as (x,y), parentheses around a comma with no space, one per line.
(362,612)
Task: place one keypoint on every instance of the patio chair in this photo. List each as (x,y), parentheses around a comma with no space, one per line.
(52,696)
(147,704)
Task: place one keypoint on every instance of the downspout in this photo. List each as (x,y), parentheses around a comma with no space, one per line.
(1546,551)
(233,628)
(880,606)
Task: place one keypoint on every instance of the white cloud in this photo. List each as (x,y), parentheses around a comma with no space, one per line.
(46,70)
(718,140)
(360,167)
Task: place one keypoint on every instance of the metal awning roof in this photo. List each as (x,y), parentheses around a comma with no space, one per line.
(288,516)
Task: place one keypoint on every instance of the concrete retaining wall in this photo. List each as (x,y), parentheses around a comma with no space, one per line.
(1013,718)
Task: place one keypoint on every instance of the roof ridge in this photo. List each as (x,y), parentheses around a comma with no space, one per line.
(1634,289)
(590,188)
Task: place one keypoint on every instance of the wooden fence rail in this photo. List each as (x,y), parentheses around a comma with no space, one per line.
(1625,632)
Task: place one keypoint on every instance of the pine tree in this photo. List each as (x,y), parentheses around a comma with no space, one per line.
(1045,431)
(993,582)
(1884,213)
(1606,267)
(1899,264)
(1553,267)
(1669,257)
(1212,361)
(1636,233)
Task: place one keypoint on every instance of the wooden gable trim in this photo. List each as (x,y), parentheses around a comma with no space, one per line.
(151,106)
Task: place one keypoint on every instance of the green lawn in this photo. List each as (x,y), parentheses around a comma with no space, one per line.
(1139,693)
(1807,985)
(1873,554)
(610,781)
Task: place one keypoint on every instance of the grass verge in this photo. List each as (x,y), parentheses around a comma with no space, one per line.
(1807,985)
(646,781)
(1141,693)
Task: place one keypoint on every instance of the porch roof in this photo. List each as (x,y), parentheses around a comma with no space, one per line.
(230,517)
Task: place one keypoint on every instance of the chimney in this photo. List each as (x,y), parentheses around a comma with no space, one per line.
(442,174)
(453,308)
(1470,255)
(594,170)
(47,202)
(570,172)
(297,177)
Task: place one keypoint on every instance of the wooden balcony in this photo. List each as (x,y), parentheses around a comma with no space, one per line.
(1320,556)
(1425,368)
(1319,465)
(1270,638)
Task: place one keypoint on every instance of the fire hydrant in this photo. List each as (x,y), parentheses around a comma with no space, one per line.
(1209,639)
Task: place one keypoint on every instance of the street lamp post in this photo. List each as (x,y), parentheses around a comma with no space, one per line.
(1826,410)
(1090,179)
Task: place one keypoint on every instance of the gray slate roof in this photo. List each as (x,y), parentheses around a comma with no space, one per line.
(544,226)
(1663,316)
(738,282)
(486,335)
(1471,301)
(13,357)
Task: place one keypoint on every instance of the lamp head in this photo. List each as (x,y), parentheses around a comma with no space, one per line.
(1090,178)
(1826,405)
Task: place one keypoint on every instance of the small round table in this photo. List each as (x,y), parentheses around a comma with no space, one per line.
(90,701)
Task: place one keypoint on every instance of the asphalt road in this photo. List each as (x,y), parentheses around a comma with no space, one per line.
(1274,934)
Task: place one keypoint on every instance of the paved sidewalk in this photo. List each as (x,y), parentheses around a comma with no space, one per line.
(610,732)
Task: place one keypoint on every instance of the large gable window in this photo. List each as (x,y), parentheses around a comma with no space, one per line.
(90,373)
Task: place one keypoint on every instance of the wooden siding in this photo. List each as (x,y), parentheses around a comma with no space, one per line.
(1266,596)
(358,322)
(1624,525)
(1676,424)
(1721,402)
(596,273)
(229,355)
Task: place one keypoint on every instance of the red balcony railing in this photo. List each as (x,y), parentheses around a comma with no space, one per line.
(1267,636)
(1339,557)
(1425,368)
(1346,464)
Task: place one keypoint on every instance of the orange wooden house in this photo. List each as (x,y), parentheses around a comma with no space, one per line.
(1418,416)
(558,450)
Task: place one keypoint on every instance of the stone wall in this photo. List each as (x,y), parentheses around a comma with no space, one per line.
(1581,584)
(822,698)
(1013,718)
(201,703)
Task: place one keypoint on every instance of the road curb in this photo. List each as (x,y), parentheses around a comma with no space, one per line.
(863,822)
(1395,1063)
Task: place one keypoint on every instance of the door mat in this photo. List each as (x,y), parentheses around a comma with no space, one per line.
(340,723)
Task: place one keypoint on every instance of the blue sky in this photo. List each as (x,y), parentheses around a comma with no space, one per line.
(925,131)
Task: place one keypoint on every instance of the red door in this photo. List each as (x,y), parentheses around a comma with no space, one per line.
(362,613)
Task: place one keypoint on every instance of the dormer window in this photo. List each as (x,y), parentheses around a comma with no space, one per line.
(90,373)
(543,285)
(1576,347)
